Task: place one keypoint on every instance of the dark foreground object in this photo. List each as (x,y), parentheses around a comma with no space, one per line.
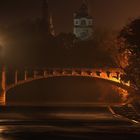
(65,123)
(67,136)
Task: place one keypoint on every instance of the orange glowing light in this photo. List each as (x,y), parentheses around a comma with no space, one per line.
(122,92)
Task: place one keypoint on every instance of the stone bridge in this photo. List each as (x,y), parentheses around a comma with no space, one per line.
(111,75)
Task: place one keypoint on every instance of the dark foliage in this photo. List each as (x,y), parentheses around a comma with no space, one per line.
(131,36)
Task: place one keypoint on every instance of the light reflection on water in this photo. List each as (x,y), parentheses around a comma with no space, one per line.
(13,132)
(81,119)
(2,128)
(2,131)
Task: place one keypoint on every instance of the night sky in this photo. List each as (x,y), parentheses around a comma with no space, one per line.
(111,14)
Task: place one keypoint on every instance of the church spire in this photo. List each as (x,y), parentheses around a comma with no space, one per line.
(83,22)
(47,18)
(52,31)
(86,2)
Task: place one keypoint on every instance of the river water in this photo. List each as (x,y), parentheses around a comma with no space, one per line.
(64,122)
(63,109)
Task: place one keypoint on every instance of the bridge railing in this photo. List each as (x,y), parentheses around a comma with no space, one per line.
(108,74)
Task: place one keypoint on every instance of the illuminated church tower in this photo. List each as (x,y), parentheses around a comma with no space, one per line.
(47,18)
(83,23)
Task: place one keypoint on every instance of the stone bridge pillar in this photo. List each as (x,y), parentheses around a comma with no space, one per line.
(45,73)
(25,75)
(16,77)
(35,74)
(3,87)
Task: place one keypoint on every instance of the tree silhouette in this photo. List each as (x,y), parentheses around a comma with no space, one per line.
(131,38)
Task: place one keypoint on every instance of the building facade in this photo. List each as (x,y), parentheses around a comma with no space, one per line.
(83,23)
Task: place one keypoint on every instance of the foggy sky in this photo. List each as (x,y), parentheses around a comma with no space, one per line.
(111,14)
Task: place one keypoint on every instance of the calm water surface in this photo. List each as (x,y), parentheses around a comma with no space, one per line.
(64,123)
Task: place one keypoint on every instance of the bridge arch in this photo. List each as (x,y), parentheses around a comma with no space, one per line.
(68,90)
(109,75)
(29,80)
